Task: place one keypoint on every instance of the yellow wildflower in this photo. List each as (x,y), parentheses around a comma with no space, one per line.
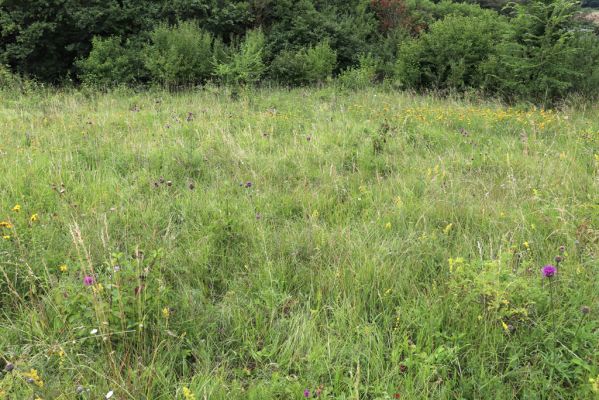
(17,208)
(6,237)
(505,327)
(526,245)
(166,312)
(63,268)
(98,288)
(456,263)
(34,218)
(5,224)
(388,225)
(398,202)
(447,228)
(187,394)
(33,377)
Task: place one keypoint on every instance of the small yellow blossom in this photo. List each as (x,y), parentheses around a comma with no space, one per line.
(315,214)
(34,218)
(526,245)
(63,268)
(166,312)
(17,208)
(34,377)
(388,225)
(187,394)
(5,224)
(6,237)
(505,327)
(398,202)
(447,229)
(456,264)
(98,288)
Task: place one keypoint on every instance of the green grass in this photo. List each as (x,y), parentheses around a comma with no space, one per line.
(333,268)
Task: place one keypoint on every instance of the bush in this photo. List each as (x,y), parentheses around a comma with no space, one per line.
(305,66)
(180,55)
(541,59)
(112,63)
(8,80)
(359,77)
(244,65)
(588,61)
(450,55)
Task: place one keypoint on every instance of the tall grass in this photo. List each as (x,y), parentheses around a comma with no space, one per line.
(363,245)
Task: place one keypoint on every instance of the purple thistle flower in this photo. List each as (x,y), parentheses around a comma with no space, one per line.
(306,393)
(549,271)
(248,184)
(88,280)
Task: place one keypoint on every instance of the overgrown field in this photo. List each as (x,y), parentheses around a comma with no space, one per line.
(275,245)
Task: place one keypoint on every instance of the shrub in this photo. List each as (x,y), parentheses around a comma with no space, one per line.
(180,55)
(321,60)
(541,58)
(587,59)
(245,64)
(111,63)
(450,55)
(8,80)
(359,77)
(305,66)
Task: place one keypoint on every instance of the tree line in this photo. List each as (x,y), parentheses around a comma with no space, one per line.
(538,50)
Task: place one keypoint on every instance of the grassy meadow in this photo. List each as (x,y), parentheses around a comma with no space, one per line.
(273,244)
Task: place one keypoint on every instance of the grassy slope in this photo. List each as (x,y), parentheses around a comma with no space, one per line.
(332,268)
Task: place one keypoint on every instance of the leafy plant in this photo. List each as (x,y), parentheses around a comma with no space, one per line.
(359,77)
(244,65)
(180,55)
(112,63)
(306,66)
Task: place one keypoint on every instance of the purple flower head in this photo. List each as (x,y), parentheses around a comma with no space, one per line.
(248,184)
(88,280)
(306,393)
(549,271)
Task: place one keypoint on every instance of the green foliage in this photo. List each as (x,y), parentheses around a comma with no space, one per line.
(360,77)
(450,55)
(587,61)
(112,63)
(306,66)
(527,51)
(180,55)
(8,80)
(540,58)
(244,64)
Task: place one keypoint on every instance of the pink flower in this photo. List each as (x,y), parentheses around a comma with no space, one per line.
(549,271)
(88,280)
